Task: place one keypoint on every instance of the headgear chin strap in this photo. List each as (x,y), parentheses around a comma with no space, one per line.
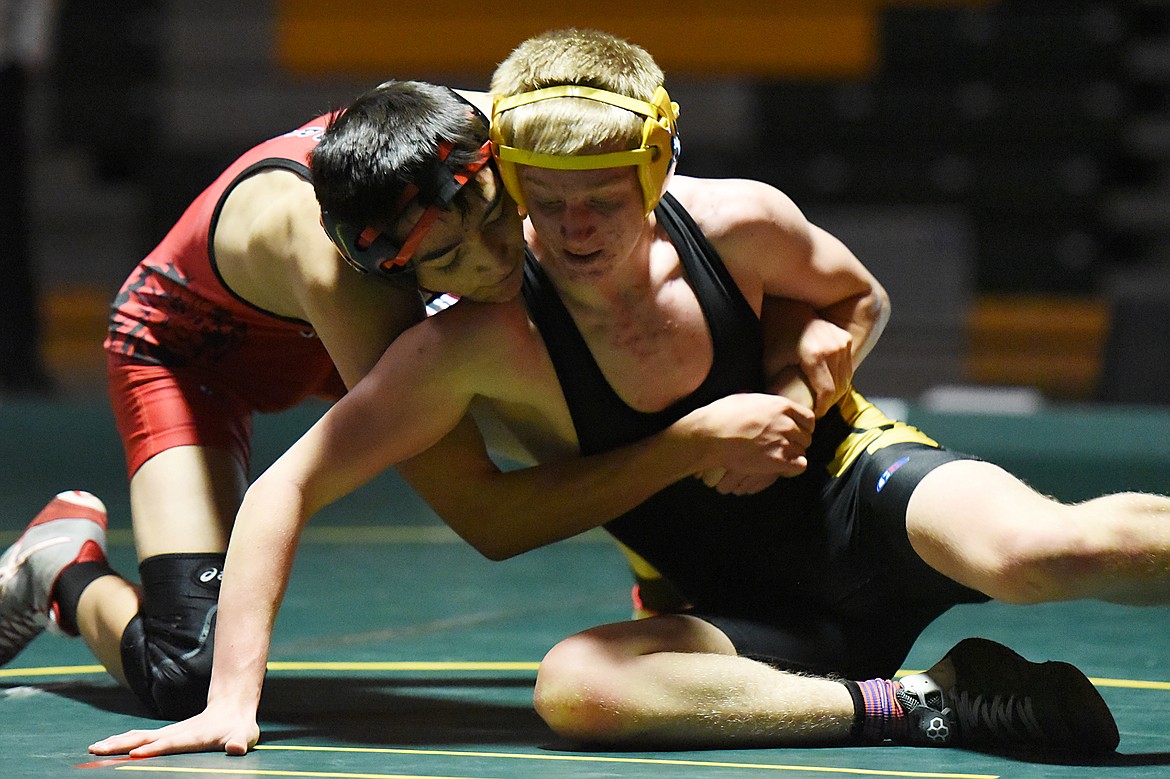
(654,159)
(370,249)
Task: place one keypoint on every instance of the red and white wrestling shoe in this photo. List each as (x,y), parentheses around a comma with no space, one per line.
(29,568)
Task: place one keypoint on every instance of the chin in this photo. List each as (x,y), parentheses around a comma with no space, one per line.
(498,294)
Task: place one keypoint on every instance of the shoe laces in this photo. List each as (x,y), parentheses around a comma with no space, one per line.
(1002,716)
(18,630)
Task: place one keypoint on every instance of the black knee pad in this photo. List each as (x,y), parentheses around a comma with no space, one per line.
(167,647)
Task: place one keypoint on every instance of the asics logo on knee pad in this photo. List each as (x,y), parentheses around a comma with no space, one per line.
(209,575)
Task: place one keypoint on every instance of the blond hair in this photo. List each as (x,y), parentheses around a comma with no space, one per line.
(571,125)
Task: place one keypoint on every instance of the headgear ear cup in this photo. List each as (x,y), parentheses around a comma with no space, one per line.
(370,249)
(348,240)
(659,133)
(505,168)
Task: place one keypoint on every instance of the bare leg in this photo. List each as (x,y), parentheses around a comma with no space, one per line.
(105,608)
(676,681)
(979,525)
(182,500)
(185,500)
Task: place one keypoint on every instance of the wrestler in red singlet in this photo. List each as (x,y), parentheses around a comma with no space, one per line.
(189,361)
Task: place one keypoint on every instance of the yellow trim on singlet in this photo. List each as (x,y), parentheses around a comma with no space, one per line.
(638,564)
(871,430)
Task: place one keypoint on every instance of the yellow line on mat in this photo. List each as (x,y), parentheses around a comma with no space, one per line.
(280,665)
(1134,684)
(629,761)
(455,665)
(52,670)
(273,772)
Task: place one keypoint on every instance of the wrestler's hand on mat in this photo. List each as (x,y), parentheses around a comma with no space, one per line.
(752,439)
(209,731)
(826,360)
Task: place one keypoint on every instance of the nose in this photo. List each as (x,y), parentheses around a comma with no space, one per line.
(577,224)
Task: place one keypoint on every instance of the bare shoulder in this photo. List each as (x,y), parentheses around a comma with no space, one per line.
(487,348)
(268,240)
(742,218)
(262,209)
(481,100)
(488,328)
(290,227)
(726,208)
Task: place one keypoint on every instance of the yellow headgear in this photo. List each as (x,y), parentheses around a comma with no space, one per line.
(654,159)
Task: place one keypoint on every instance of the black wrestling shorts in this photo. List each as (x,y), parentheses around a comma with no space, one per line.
(877,596)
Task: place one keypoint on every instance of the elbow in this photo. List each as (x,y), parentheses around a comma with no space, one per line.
(497,553)
(271,489)
(493,546)
(879,308)
(874,314)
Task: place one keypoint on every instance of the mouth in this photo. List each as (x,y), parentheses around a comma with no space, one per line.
(503,289)
(578,258)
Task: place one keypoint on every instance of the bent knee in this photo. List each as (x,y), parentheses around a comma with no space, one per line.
(167,648)
(578,692)
(179,693)
(170,684)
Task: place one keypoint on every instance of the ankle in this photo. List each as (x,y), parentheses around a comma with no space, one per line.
(878,716)
(72,583)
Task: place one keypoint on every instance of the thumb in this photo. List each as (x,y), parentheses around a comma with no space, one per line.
(236,746)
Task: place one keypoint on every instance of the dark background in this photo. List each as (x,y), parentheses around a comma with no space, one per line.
(1001,166)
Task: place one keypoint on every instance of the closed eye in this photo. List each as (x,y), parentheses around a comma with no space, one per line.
(449,266)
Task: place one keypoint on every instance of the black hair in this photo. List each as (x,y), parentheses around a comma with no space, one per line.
(383,141)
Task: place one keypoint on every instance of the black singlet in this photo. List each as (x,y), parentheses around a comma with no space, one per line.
(813,573)
(716,548)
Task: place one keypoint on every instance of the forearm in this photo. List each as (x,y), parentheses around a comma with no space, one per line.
(808,357)
(260,557)
(503,514)
(790,382)
(864,317)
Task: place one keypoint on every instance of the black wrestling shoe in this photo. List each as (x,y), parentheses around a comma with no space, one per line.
(999,700)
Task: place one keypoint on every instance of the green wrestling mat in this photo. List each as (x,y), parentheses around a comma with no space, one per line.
(400,652)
